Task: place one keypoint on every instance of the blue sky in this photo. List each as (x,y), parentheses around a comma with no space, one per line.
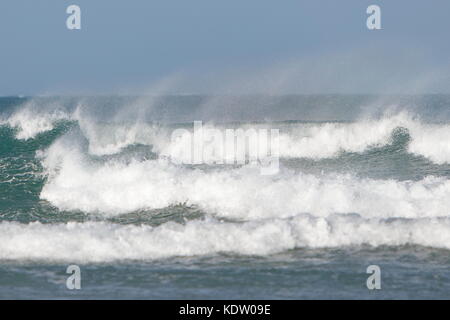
(205,46)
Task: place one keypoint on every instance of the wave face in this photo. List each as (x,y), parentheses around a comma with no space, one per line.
(95,182)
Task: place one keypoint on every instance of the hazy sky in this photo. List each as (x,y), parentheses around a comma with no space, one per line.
(223,46)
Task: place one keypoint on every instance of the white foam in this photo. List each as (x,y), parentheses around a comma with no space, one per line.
(108,139)
(103,242)
(30,123)
(315,141)
(431,141)
(115,187)
(328,140)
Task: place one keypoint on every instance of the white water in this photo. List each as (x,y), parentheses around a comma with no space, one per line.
(30,121)
(103,242)
(315,141)
(113,187)
(275,213)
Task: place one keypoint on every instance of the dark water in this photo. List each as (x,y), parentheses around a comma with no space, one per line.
(361,183)
(415,273)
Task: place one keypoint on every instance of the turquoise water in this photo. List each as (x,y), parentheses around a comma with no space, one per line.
(86,181)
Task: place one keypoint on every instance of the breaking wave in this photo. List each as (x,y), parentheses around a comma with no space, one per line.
(296,140)
(107,168)
(103,242)
(115,187)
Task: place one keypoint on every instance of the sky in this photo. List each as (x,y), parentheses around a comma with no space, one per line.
(232,46)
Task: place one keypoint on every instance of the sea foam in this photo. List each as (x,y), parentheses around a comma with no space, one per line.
(114,187)
(297,140)
(244,211)
(103,242)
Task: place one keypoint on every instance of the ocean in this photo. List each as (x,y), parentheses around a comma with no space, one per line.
(90,181)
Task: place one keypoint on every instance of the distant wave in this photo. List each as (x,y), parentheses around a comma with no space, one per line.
(297,140)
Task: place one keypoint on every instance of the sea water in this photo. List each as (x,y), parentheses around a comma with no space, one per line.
(362,181)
